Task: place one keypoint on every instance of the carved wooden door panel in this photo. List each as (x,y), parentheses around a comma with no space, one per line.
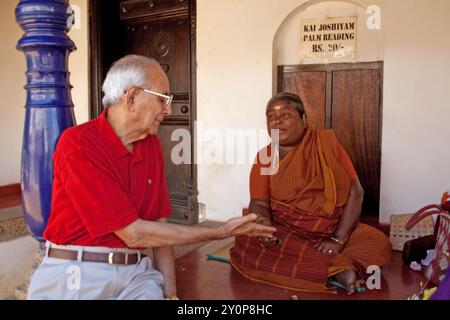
(347,98)
(162,30)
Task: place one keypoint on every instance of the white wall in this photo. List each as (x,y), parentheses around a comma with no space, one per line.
(234,82)
(79,63)
(12,80)
(234,55)
(415,147)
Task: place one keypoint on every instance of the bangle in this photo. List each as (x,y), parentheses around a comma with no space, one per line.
(338,241)
(172,298)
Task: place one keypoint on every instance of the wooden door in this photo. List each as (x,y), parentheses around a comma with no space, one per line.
(311,87)
(163,30)
(347,98)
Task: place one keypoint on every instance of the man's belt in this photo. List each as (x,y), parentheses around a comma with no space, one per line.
(105,257)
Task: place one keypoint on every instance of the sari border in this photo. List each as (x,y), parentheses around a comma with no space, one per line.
(283,281)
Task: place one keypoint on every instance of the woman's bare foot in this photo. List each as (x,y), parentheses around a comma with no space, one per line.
(347,278)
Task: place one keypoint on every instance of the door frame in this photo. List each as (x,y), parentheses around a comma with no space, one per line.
(95,58)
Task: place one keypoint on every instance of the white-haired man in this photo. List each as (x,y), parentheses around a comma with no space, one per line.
(110,199)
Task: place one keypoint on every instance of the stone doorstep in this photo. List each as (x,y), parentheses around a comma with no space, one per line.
(11,213)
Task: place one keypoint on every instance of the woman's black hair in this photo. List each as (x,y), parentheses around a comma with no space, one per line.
(291,98)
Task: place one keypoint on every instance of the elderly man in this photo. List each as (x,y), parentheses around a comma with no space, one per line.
(110,199)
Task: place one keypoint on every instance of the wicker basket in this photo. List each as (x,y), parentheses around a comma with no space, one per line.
(399,235)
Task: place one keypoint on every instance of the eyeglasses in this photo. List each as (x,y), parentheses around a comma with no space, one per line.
(168,98)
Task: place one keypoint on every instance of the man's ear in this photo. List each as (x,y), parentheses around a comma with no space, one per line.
(130,97)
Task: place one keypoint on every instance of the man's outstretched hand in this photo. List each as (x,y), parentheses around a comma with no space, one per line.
(246,226)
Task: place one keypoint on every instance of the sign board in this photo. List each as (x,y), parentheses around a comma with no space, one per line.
(332,38)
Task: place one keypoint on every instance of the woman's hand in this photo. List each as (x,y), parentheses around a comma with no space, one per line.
(266,241)
(328,246)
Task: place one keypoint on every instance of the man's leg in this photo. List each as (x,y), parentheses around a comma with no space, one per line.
(146,283)
(58,279)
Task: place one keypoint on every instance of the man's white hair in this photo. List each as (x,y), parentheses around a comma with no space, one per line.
(131,70)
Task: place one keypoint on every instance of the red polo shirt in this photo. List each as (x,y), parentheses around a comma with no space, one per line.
(100,187)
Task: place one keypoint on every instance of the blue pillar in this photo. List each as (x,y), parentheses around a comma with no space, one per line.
(49,107)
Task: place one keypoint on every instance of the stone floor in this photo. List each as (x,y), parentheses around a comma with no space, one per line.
(12,224)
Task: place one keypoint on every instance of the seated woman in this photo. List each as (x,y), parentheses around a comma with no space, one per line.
(314,200)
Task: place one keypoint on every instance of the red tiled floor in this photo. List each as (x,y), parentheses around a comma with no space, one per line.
(202,279)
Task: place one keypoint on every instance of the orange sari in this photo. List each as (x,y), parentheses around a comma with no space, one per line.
(307,198)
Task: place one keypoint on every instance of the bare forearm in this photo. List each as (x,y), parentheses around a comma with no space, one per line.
(351,213)
(152,234)
(165,263)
